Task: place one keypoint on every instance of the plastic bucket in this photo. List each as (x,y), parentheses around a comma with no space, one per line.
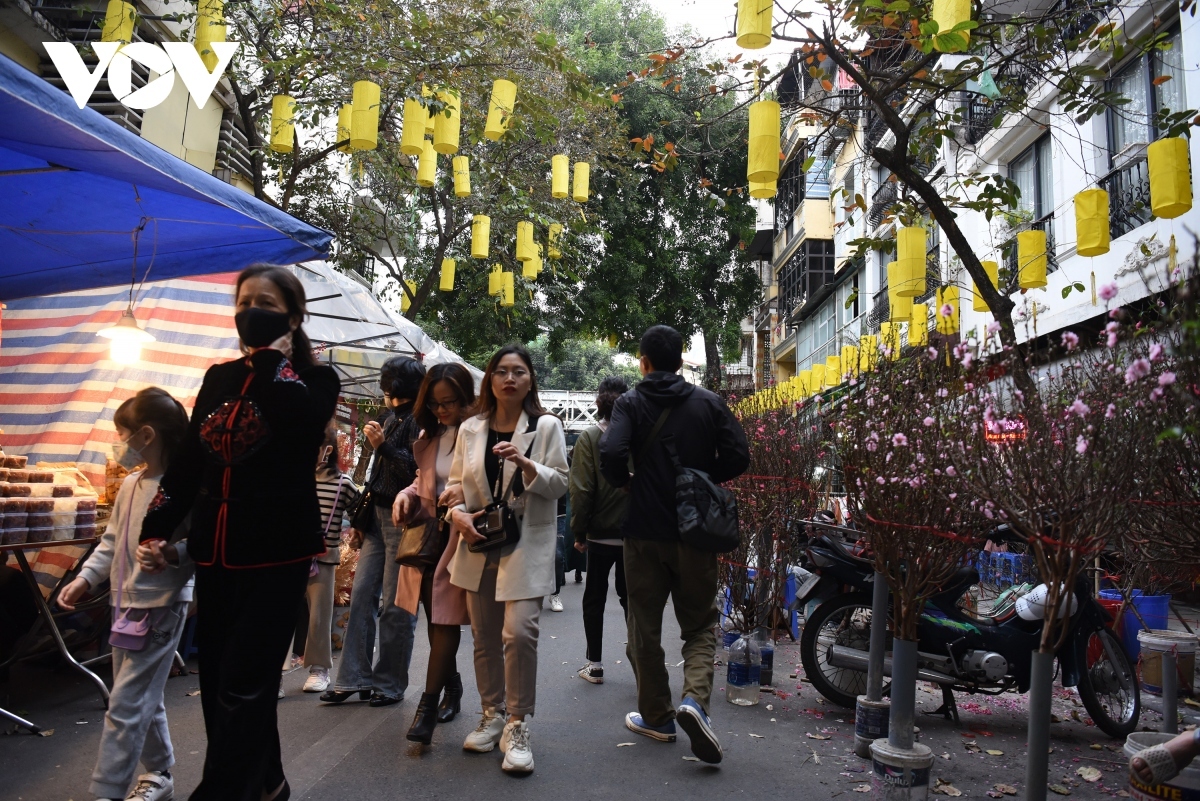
(1184,787)
(1154,610)
(1154,645)
(901,775)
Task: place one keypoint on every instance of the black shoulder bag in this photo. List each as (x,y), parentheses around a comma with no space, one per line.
(499,525)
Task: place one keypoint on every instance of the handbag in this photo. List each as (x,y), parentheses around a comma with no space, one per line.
(126,632)
(362,511)
(422,545)
(499,524)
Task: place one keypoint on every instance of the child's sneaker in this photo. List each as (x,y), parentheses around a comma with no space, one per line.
(153,786)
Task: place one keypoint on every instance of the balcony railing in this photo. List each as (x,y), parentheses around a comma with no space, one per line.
(1009,252)
(1128,197)
(880,311)
(884,198)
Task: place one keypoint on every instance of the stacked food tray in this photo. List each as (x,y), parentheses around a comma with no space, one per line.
(39,505)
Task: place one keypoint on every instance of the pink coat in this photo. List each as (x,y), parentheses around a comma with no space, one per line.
(449,602)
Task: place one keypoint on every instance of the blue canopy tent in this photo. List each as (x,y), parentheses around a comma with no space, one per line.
(75,187)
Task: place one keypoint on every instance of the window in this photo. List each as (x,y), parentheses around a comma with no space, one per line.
(1168,61)
(805,272)
(1133,124)
(1033,174)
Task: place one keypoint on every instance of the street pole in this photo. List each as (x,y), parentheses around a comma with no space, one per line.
(1037,762)
(871,712)
(1170,693)
(900,765)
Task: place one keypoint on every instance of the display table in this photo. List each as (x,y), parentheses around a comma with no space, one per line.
(47,616)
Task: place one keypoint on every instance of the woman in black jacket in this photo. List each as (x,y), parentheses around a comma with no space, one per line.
(245,475)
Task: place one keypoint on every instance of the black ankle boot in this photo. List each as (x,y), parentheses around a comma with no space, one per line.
(451,700)
(421,730)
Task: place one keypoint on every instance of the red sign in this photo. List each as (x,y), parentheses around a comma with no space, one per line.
(1004,430)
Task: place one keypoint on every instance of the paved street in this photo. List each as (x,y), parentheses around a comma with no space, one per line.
(797,748)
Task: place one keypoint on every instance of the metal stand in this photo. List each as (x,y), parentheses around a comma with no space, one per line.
(904,694)
(4,713)
(1170,693)
(1037,764)
(871,712)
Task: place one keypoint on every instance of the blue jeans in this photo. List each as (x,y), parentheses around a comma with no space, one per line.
(377,572)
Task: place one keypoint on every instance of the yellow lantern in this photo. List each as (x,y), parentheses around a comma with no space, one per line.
(1031,259)
(754,23)
(537,259)
(833,371)
(462,176)
(579,189)
(120,20)
(446,284)
(560,168)
(364,124)
(763,163)
(427,167)
(910,254)
(1170,177)
(806,383)
(868,353)
(1091,222)
(889,338)
(552,241)
(504,100)
(481,233)
(849,360)
(447,123)
(210,27)
(412,136)
(947,323)
(405,303)
(899,308)
(531,268)
(763,190)
(427,94)
(993,273)
(508,293)
(283,128)
(524,241)
(816,378)
(345,121)
(947,14)
(496,280)
(918,325)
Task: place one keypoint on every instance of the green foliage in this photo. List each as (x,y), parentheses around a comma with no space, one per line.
(578,364)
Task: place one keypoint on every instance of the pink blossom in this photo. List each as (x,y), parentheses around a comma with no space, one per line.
(870,402)
(950,471)
(1156,393)
(880,480)
(899,440)
(1081,444)
(1078,408)
(943,392)
(928,421)
(1107,291)
(1137,371)
(946,310)
(1070,340)
(1166,379)
(967,360)
(953,495)
(1111,411)
(931,353)
(993,327)
(872,446)
(1156,351)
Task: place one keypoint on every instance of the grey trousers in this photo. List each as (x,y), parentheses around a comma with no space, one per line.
(135,726)
(506,639)
(318,648)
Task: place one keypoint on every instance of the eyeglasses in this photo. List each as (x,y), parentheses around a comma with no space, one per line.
(517,374)
(435,406)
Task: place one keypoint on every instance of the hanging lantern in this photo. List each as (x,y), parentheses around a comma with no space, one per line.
(496,280)
(120,20)
(816,380)
(405,303)
(947,14)
(345,121)
(868,353)
(833,371)
(446,284)
(1170,177)
(803,379)
(508,293)
(283,129)
(537,259)
(552,238)
(763,190)
(899,308)
(899,275)
(560,168)
(427,167)
(524,241)
(889,339)
(481,232)
(910,253)
(462,176)
(364,125)
(993,273)
(125,338)
(947,323)
(918,325)
(210,27)
(579,190)
(1091,222)
(504,100)
(849,360)
(447,123)
(412,136)
(531,268)
(754,23)
(1031,259)
(763,163)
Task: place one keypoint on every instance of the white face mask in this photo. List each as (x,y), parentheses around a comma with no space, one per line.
(127,456)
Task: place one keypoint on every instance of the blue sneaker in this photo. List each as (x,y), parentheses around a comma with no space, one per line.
(692,720)
(664,733)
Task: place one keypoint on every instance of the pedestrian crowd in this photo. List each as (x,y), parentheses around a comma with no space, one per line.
(462,513)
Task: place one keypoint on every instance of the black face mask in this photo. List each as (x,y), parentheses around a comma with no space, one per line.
(260,327)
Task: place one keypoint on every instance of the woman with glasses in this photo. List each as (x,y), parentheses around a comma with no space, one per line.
(512,451)
(446,396)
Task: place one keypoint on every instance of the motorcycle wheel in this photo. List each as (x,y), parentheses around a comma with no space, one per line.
(843,620)
(1108,688)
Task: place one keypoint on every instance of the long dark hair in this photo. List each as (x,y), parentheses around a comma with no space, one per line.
(607,393)
(459,379)
(156,408)
(293,295)
(486,406)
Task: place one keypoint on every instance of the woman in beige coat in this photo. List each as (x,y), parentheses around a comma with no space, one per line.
(513,442)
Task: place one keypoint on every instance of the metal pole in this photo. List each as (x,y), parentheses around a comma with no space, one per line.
(904,694)
(1170,693)
(879,602)
(1037,763)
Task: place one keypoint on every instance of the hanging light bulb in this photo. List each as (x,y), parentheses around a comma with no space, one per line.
(126,338)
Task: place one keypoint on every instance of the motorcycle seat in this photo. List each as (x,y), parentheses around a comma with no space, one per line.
(847,548)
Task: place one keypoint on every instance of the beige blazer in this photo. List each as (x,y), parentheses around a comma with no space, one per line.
(527,568)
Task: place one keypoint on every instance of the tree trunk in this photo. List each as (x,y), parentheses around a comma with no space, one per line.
(712,362)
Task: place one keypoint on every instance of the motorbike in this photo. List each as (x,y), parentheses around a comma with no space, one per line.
(958,649)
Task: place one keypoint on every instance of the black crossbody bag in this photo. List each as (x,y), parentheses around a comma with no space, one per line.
(500,525)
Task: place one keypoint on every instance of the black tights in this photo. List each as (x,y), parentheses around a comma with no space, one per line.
(443,642)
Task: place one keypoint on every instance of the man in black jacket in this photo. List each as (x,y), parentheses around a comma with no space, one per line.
(658,565)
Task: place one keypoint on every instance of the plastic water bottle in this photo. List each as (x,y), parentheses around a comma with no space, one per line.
(743,672)
(767,649)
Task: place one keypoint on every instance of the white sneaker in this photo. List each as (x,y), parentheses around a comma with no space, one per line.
(592,673)
(487,733)
(555,603)
(518,756)
(153,786)
(318,680)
